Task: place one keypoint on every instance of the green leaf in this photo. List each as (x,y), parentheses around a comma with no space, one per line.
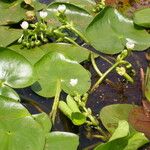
(80,17)
(15,70)
(78,118)
(76,53)
(9,92)
(11,12)
(110,115)
(8,35)
(55,66)
(123,140)
(110,27)
(10,109)
(61,140)
(33,55)
(88,4)
(121,131)
(44,121)
(141,17)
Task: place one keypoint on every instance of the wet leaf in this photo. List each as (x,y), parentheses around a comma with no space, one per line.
(141,17)
(110,115)
(33,55)
(110,27)
(80,17)
(58,140)
(8,35)
(15,72)
(55,66)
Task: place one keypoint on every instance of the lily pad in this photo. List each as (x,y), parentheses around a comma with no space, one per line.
(141,17)
(88,4)
(58,140)
(110,31)
(80,17)
(55,66)
(15,72)
(8,35)
(33,55)
(110,115)
(11,12)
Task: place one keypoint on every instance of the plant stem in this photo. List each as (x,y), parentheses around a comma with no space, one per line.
(71,41)
(104,75)
(53,112)
(79,34)
(95,66)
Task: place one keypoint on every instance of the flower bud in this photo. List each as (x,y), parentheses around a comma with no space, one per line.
(61,8)
(43,14)
(24,25)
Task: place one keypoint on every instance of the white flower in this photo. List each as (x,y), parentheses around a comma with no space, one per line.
(43,14)
(61,8)
(24,25)
(130,45)
(73,82)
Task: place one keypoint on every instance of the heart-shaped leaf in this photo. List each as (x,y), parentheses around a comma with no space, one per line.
(15,72)
(55,66)
(110,115)
(33,55)
(88,4)
(58,140)
(141,17)
(110,31)
(8,35)
(80,17)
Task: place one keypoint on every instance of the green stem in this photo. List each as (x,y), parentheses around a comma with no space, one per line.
(104,76)
(105,59)
(56,102)
(79,34)
(71,41)
(95,66)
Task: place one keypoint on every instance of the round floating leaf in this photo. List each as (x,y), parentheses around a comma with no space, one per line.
(141,17)
(33,55)
(78,118)
(15,70)
(55,66)
(110,115)
(61,140)
(8,35)
(80,17)
(9,92)
(44,121)
(88,4)
(110,31)
(10,109)
(74,52)
(11,12)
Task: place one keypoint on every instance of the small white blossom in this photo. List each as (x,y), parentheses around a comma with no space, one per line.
(130,45)
(24,25)
(43,14)
(61,8)
(73,82)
